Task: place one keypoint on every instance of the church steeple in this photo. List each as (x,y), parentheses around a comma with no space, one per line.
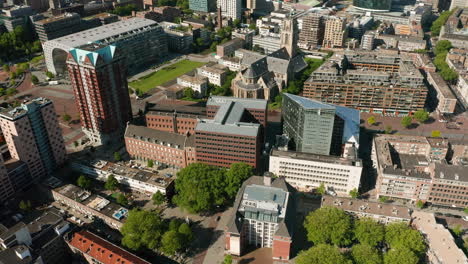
(289,34)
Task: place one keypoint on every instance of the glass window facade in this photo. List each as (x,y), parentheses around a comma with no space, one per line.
(380,5)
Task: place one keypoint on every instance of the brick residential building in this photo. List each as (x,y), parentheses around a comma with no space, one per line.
(335,32)
(95,249)
(228,48)
(174,118)
(99,78)
(165,148)
(235,134)
(312,31)
(446,100)
(33,135)
(264,216)
(377,82)
(6,186)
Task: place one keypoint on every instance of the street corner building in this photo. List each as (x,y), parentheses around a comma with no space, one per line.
(263,216)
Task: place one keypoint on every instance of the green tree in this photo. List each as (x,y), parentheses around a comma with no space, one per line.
(25,205)
(321,189)
(117,156)
(448,74)
(19,71)
(111,184)
(189,93)
(158,198)
(365,254)
(279,99)
(84,182)
(457,230)
(6,68)
(34,79)
(187,234)
(371,120)
(50,75)
(200,187)
(421,115)
(439,22)
(227,259)
(75,143)
(442,46)
(66,117)
(388,129)
(236,23)
(369,232)
(11,91)
(465,210)
(122,199)
(235,176)
(383,199)
(252,26)
(354,193)
(213,46)
(399,256)
(322,254)
(400,235)
(150,164)
(174,224)
(419,204)
(142,229)
(329,225)
(125,10)
(12,75)
(171,242)
(406,121)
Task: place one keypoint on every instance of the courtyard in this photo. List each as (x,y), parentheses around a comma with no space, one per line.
(164,75)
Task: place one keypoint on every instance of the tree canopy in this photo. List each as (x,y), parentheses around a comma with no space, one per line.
(399,256)
(442,46)
(354,193)
(322,254)
(17,44)
(201,187)
(439,22)
(235,176)
(365,254)
(369,232)
(172,242)
(125,10)
(329,225)
(84,182)
(406,121)
(400,235)
(158,198)
(142,229)
(111,184)
(371,120)
(421,115)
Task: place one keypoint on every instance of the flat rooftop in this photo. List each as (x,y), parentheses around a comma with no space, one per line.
(103,32)
(18,112)
(158,137)
(247,103)
(314,157)
(368,207)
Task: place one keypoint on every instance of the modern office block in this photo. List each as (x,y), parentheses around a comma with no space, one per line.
(203,5)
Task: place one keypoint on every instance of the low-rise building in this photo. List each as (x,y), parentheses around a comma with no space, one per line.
(179,38)
(442,247)
(216,73)
(165,148)
(90,204)
(306,171)
(136,179)
(233,63)
(446,100)
(95,249)
(198,83)
(380,212)
(228,48)
(264,216)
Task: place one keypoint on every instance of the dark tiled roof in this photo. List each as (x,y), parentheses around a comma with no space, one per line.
(156,136)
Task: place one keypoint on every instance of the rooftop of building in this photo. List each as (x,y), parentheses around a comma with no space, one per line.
(262,196)
(194,79)
(157,109)
(307,103)
(196,21)
(100,16)
(102,250)
(92,53)
(214,68)
(57,18)
(91,200)
(455,173)
(232,42)
(315,157)
(103,32)
(14,113)
(367,207)
(10,255)
(246,102)
(439,239)
(154,136)
(238,128)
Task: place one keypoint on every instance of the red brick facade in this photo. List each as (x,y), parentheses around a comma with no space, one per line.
(281,248)
(180,124)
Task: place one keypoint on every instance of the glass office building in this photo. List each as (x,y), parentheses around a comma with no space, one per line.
(373,5)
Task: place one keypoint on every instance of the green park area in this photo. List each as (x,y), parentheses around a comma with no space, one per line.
(164,75)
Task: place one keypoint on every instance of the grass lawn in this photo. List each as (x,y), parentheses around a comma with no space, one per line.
(114,195)
(37,59)
(164,75)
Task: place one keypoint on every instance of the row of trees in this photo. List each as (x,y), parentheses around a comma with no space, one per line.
(330,228)
(125,10)
(202,188)
(17,44)
(441,50)
(439,22)
(146,229)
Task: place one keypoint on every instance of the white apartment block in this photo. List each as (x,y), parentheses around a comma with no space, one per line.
(198,84)
(230,8)
(216,74)
(307,171)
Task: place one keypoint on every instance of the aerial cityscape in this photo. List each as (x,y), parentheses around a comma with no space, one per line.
(234,131)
